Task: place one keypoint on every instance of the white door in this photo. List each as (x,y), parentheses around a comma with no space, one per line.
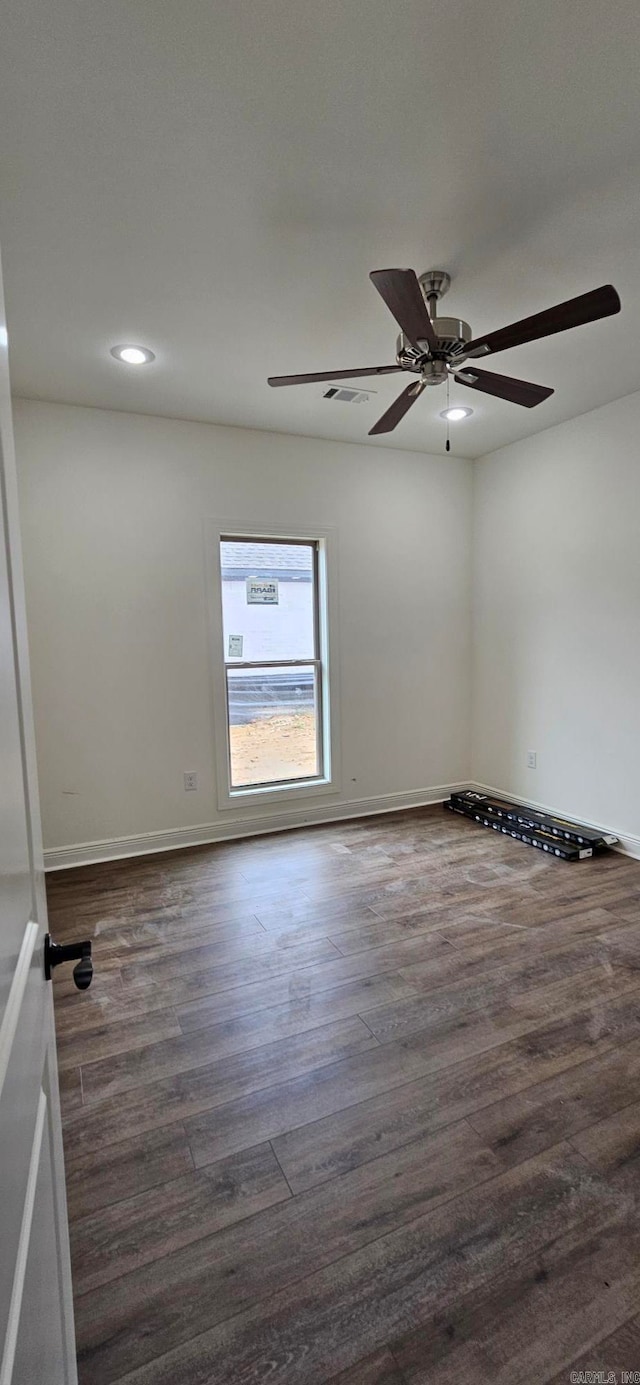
(36,1313)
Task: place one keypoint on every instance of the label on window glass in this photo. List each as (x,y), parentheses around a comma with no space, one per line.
(235,646)
(262,591)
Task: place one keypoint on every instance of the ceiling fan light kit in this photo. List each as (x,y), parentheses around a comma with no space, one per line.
(435,348)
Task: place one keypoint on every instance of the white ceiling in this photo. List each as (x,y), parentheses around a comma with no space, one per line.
(216,178)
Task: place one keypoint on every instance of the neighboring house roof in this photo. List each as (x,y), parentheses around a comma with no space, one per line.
(289,562)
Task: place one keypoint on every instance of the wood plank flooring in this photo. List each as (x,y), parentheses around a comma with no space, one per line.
(358,1103)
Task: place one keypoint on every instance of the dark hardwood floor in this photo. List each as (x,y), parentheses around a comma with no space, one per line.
(358,1103)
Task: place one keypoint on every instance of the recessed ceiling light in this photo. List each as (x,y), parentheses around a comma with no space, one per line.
(456,413)
(133,355)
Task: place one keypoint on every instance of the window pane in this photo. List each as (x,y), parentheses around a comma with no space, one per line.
(273,719)
(267,600)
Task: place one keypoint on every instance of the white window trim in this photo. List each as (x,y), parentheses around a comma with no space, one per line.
(327,539)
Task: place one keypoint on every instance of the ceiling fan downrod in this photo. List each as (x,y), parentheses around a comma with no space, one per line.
(434,284)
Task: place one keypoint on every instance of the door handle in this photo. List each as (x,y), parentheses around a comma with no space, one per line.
(55,953)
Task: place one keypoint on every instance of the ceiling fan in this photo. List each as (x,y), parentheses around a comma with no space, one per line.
(433,348)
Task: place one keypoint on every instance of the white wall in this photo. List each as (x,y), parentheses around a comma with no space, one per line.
(112,515)
(556,591)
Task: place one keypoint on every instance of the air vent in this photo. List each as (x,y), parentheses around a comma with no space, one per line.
(347,396)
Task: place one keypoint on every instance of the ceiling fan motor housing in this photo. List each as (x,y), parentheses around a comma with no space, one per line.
(453,335)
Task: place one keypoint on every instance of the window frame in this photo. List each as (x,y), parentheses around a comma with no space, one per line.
(325,662)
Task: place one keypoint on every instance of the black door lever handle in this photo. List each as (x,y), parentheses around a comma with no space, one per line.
(55,953)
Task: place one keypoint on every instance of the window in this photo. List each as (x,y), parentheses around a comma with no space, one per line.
(275,664)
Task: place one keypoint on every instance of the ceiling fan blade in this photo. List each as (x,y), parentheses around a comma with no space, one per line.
(503,386)
(588,307)
(398,409)
(332,375)
(403,296)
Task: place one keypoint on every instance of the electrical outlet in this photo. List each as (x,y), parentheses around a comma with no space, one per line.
(531,759)
(190,781)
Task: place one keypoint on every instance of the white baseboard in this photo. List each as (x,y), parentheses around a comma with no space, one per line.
(627,844)
(146,843)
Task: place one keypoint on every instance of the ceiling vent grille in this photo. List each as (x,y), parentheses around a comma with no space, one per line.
(347,396)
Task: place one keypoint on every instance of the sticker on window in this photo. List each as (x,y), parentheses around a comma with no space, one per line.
(262,591)
(235,646)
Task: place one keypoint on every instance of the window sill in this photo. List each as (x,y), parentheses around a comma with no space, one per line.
(307,788)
